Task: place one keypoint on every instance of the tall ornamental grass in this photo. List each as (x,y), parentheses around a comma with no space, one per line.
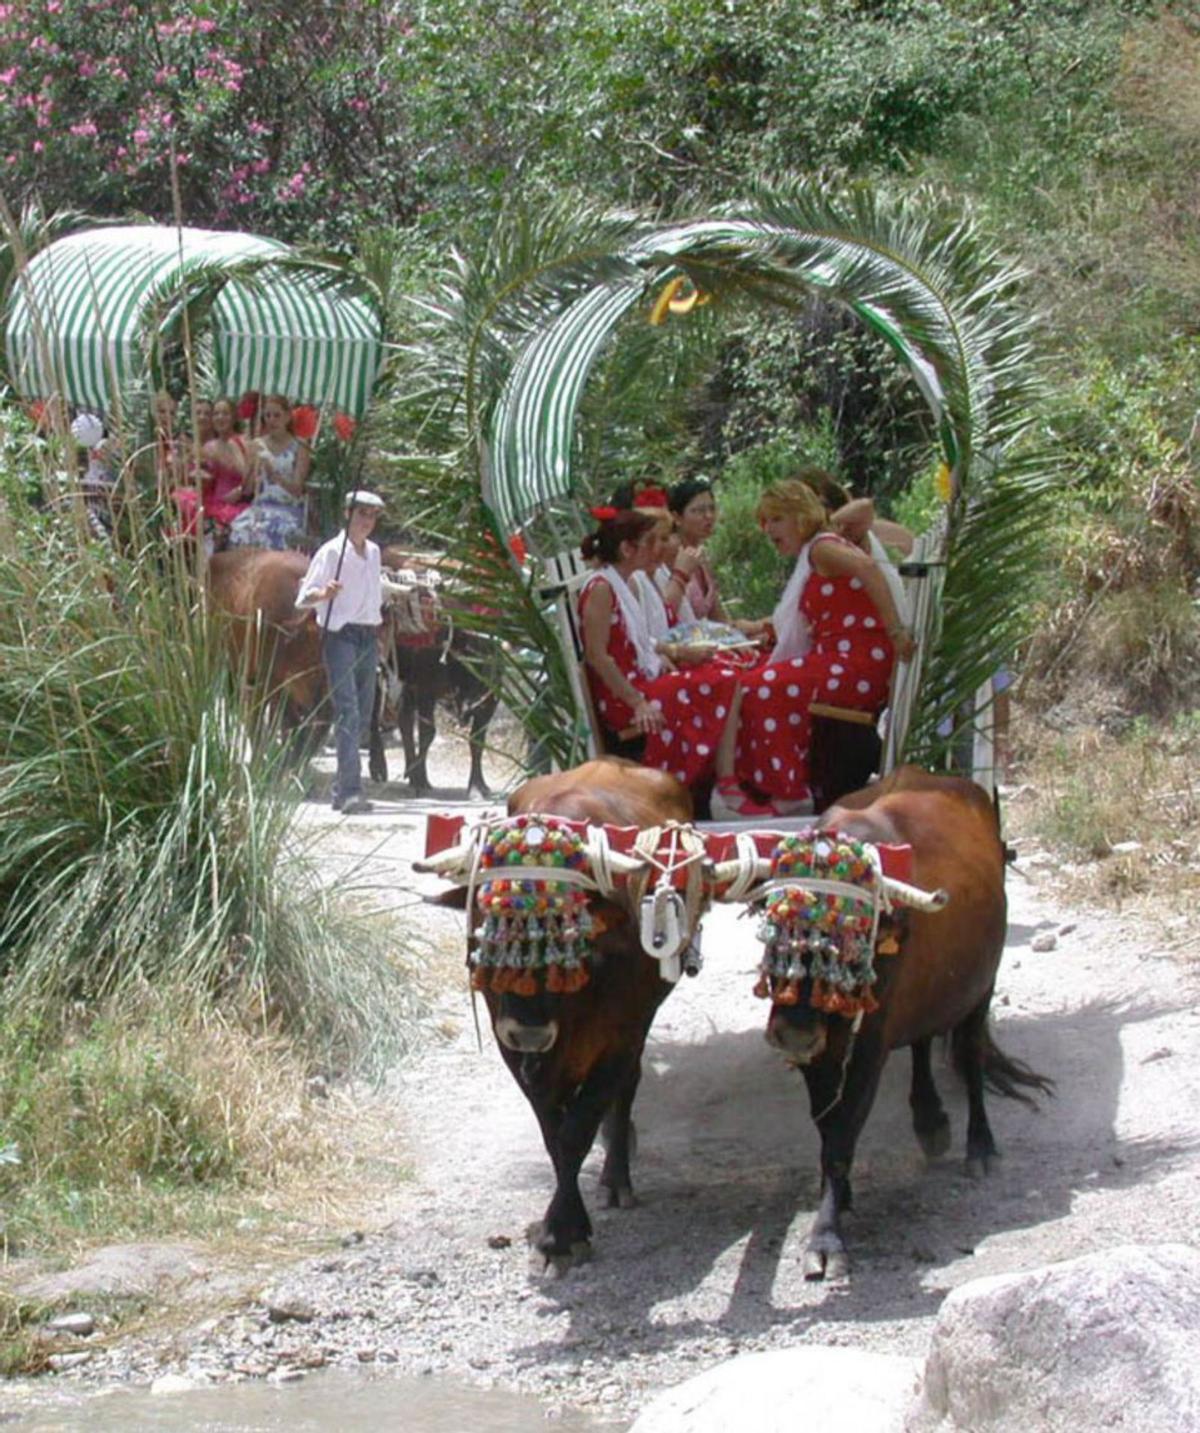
(146,833)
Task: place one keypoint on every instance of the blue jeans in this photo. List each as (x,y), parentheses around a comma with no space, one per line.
(350,662)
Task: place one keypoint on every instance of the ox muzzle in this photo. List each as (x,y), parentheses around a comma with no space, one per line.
(525,1025)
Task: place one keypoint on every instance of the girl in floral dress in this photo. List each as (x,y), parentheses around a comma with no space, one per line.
(837,633)
(682,714)
(276,518)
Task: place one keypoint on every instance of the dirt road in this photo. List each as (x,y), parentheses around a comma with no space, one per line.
(711,1262)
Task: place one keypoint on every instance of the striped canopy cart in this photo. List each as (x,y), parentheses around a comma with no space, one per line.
(90,314)
(936,294)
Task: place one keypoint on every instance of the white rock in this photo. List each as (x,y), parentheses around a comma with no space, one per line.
(172,1383)
(838,1390)
(81,1324)
(1125,848)
(1110,1340)
(1045,940)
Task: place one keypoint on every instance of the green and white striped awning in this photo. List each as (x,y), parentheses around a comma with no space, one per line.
(532,429)
(89,310)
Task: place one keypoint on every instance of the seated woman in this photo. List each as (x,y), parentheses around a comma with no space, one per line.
(681,714)
(276,517)
(227,482)
(837,633)
(694,509)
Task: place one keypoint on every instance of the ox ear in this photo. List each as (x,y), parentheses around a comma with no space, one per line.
(454,899)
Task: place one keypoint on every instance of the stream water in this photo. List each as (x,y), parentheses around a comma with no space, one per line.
(349,1403)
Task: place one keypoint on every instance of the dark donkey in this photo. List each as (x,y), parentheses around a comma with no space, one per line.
(425,659)
(939,981)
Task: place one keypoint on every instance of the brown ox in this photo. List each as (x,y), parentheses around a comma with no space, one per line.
(939,983)
(277,647)
(578,1057)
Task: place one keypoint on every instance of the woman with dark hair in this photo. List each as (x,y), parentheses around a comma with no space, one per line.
(681,714)
(695,512)
(837,631)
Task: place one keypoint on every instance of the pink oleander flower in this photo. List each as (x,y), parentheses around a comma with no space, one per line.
(7,76)
(86,129)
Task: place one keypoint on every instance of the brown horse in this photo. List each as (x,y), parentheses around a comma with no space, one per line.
(940,982)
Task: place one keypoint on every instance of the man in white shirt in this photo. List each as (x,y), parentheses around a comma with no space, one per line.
(343,583)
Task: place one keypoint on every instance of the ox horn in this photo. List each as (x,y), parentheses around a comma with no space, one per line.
(453,858)
(919,900)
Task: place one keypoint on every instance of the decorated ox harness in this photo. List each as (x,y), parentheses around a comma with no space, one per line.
(529,879)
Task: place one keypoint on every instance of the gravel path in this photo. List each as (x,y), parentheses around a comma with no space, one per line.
(711,1261)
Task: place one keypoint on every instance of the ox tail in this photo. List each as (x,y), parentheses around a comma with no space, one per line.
(972,1046)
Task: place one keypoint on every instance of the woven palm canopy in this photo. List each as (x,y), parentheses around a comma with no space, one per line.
(90,310)
(532,430)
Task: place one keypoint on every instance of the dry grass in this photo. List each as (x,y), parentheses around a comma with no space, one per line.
(1119,813)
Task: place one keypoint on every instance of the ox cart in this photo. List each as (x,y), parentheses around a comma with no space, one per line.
(882,920)
(100,320)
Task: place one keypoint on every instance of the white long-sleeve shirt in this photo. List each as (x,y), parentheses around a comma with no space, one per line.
(360,600)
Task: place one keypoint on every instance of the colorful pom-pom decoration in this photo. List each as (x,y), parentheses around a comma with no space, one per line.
(820,924)
(344,426)
(534,931)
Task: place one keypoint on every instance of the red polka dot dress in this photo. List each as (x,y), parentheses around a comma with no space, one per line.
(848,665)
(695,703)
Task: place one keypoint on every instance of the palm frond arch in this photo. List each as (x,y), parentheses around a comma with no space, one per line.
(944,300)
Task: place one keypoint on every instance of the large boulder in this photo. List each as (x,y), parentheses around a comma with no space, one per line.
(838,1390)
(1110,1340)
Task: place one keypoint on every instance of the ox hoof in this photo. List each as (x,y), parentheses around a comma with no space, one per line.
(830,1266)
(377,770)
(935,1142)
(620,1197)
(978,1165)
(556,1265)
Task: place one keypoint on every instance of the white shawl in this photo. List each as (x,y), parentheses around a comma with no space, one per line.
(792,635)
(652,606)
(663,578)
(638,629)
(893,579)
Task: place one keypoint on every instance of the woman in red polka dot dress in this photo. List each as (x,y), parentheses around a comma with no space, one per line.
(683,714)
(837,633)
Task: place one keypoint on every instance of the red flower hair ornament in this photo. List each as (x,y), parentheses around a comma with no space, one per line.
(603,514)
(651,498)
(304,421)
(247,408)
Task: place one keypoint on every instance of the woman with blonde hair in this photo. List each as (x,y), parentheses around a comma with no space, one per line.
(836,633)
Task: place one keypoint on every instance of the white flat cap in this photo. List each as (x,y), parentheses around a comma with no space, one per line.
(360,498)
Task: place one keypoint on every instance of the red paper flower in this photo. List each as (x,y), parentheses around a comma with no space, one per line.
(344,426)
(516,545)
(247,408)
(603,514)
(37,411)
(651,498)
(304,421)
